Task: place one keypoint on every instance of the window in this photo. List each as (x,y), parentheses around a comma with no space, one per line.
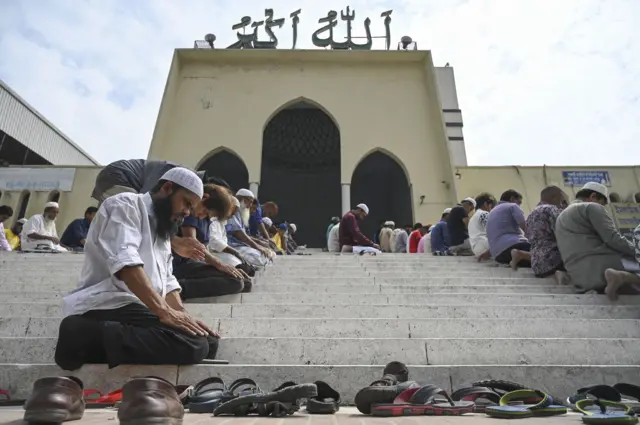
(23,204)
(54,196)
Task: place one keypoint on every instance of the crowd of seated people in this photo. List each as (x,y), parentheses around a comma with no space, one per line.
(575,243)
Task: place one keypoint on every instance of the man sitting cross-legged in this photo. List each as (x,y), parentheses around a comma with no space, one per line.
(39,232)
(505,232)
(211,277)
(256,254)
(127,307)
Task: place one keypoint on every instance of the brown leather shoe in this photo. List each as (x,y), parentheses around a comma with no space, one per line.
(57,399)
(150,401)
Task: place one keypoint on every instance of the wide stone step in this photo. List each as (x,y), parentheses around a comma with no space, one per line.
(518,311)
(375,328)
(368,298)
(561,381)
(369,351)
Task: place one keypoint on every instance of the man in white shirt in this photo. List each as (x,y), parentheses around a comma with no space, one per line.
(333,243)
(127,307)
(39,232)
(478,226)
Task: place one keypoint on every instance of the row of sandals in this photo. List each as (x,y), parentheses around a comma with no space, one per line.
(61,399)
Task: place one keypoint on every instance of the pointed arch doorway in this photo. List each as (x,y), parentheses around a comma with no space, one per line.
(381,182)
(227,166)
(301,169)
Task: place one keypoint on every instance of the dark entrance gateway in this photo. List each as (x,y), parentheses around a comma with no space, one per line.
(381,183)
(228,166)
(301,169)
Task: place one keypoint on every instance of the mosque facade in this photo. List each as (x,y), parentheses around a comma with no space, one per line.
(319,131)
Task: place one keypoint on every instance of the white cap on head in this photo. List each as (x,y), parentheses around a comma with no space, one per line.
(51,205)
(597,187)
(245,193)
(185,178)
(22,221)
(471,201)
(389,223)
(446,211)
(293,227)
(267,221)
(364,208)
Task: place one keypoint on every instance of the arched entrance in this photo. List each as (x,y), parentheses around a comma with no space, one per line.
(301,169)
(228,166)
(381,183)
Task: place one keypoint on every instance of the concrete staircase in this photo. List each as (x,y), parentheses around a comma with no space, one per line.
(341,318)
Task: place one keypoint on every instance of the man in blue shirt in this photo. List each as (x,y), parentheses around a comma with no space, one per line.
(75,235)
(439,235)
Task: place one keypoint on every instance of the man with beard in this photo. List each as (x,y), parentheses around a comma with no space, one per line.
(39,232)
(13,234)
(256,255)
(351,238)
(127,307)
(211,277)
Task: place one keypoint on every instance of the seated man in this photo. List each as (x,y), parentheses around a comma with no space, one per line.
(291,244)
(478,226)
(334,239)
(351,238)
(211,277)
(75,236)
(425,241)
(127,307)
(5,214)
(440,235)
(279,238)
(218,243)
(545,255)
(332,224)
(385,236)
(593,250)
(13,234)
(506,228)
(414,238)
(39,232)
(457,226)
(256,255)
(400,239)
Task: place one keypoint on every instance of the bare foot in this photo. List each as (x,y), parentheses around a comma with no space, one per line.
(562,278)
(515,259)
(615,280)
(484,256)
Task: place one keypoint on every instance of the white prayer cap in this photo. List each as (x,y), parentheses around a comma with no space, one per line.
(293,227)
(598,188)
(245,193)
(185,178)
(389,223)
(267,221)
(446,211)
(471,201)
(51,205)
(22,221)
(364,208)
(236,202)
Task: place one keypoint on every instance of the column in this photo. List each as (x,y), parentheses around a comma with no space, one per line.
(346,198)
(254,188)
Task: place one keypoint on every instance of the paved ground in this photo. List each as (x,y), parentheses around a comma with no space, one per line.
(346,416)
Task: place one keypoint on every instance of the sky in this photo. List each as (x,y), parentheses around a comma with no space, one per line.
(539,82)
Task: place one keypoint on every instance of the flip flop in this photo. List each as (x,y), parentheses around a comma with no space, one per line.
(631,395)
(206,395)
(420,401)
(481,396)
(8,401)
(102,401)
(623,416)
(327,402)
(504,387)
(279,401)
(381,391)
(506,410)
(601,392)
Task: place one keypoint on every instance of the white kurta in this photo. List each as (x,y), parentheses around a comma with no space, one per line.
(122,234)
(218,243)
(38,224)
(333,243)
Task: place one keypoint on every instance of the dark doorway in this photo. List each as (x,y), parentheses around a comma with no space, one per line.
(380,182)
(301,170)
(229,167)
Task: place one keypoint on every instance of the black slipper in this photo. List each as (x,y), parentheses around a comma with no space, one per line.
(327,402)
(287,396)
(206,395)
(380,391)
(398,370)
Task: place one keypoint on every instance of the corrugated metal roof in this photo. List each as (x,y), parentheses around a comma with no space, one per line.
(22,122)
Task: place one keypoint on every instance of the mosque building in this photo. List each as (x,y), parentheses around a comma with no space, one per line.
(316,131)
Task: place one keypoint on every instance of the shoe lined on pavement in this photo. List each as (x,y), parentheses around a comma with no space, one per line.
(55,399)
(150,401)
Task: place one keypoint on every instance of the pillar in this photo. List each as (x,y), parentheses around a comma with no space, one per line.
(253,187)
(346,198)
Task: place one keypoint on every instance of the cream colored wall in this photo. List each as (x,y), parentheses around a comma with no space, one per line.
(72,204)
(378,104)
(625,181)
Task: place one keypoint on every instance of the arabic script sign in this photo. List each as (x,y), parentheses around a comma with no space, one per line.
(250,40)
(627,218)
(580,178)
(37,179)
